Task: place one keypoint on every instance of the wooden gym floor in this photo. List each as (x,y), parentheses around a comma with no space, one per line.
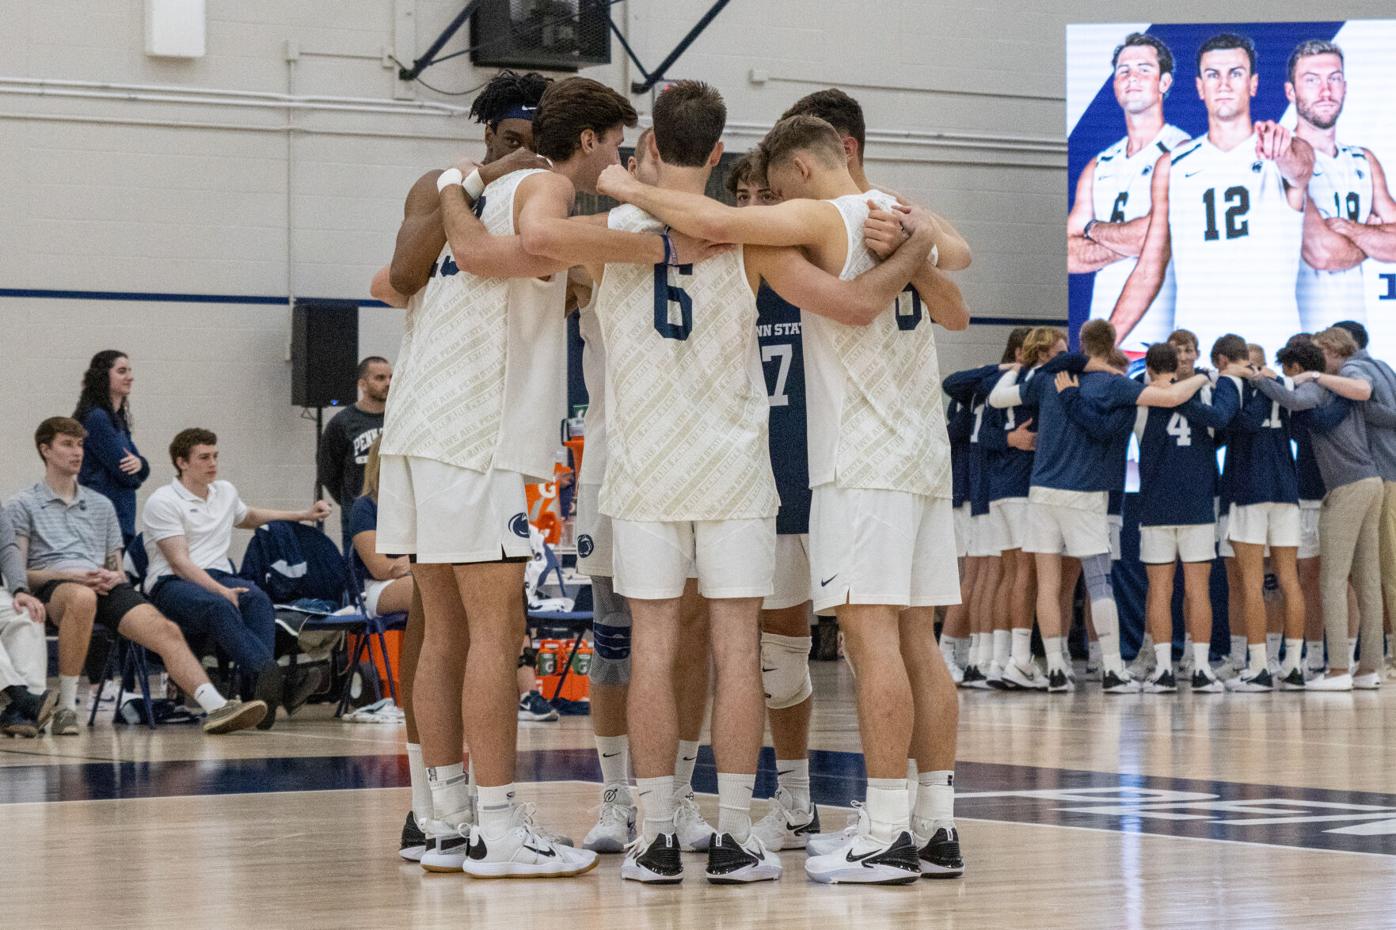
(1079,811)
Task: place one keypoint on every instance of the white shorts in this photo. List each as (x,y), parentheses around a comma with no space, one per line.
(962,519)
(791,582)
(1116,523)
(1224,549)
(1008,523)
(1070,523)
(1264,524)
(1164,545)
(593,534)
(373,590)
(981,537)
(445,513)
(730,558)
(1308,529)
(871,546)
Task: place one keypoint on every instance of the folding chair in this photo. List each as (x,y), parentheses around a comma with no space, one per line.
(578,621)
(126,659)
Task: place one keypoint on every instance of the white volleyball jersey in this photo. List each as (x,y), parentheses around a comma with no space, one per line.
(1235,242)
(1121,190)
(482,379)
(1341,186)
(686,408)
(873,392)
(594,374)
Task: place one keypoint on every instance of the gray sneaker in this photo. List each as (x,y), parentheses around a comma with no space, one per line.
(64,722)
(234,716)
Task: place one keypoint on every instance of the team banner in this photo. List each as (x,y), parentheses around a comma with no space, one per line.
(1232,178)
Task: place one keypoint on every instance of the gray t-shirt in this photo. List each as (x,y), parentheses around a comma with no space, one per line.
(11,565)
(1342,453)
(64,536)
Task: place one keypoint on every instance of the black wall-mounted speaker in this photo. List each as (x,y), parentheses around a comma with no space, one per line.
(324,353)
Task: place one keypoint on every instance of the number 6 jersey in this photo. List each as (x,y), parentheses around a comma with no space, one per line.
(686,408)
(873,392)
(1235,241)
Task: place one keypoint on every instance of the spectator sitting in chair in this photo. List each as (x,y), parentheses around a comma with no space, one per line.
(23,651)
(188,527)
(70,544)
(386,580)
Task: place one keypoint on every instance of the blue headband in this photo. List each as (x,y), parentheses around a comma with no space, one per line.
(517,111)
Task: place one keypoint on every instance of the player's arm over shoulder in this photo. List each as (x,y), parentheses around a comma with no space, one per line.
(420,238)
(1143,283)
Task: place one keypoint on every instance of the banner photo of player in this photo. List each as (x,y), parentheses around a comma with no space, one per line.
(1230,178)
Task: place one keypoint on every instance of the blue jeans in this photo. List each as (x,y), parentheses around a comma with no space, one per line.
(245,634)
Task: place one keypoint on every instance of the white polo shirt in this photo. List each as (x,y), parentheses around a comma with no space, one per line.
(206,525)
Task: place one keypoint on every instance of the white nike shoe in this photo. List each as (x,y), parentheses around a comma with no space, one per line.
(1029,679)
(445,845)
(733,863)
(957,674)
(1368,681)
(994,677)
(615,823)
(785,826)
(821,844)
(1330,683)
(1144,664)
(694,833)
(865,860)
(521,851)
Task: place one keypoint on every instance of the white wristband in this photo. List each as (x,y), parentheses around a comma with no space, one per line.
(474,185)
(448,177)
(935,255)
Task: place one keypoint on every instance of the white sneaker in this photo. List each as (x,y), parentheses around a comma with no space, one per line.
(822,844)
(994,677)
(615,824)
(1119,682)
(446,845)
(1144,664)
(733,863)
(785,826)
(1368,681)
(1029,679)
(957,674)
(866,860)
(521,851)
(694,833)
(1330,683)
(654,863)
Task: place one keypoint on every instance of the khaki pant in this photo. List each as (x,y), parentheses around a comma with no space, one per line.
(1351,544)
(1387,531)
(23,651)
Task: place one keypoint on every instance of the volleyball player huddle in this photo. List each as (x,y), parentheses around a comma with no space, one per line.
(698,366)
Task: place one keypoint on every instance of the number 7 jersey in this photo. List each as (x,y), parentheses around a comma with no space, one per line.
(1235,242)
(686,407)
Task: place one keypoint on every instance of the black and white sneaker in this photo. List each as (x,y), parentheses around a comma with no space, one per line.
(975,679)
(733,863)
(1204,681)
(1252,682)
(1058,682)
(1294,681)
(1112,682)
(1161,682)
(523,851)
(940,855)
(444,846)
(658,863)
(786,826)
(867,861)
(414,841)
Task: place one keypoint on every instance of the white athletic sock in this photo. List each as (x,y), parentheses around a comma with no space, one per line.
(207,696)
(1258,657)
(935,803)
(1315,650)
(887,808)
(614,753)
(1200,658)
(68,691)
(1272,643)
(1238,651)
(421,791)
(656,796)
(496,809)
(973,656)
(1003,647)
(962,645)
(450,794)
(911,785)
(986,652)
(472,787)
(1093,653)
(1187,643)
(1053,647)
(734,804)
(793,776)
(1291,660)
(1022,647)
(684,762)
(1163,655)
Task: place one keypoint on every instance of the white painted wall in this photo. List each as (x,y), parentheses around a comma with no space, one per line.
(186,188)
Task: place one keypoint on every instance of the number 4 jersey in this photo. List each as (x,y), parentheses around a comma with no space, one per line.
(686,408)
(1235,241)
(1178,456)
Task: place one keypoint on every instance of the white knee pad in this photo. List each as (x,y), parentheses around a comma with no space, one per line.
(785,670)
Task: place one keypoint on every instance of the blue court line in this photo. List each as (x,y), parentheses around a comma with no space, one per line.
(1344,821)
(271,300)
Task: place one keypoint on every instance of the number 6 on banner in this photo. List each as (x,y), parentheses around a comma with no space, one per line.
(666,296)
